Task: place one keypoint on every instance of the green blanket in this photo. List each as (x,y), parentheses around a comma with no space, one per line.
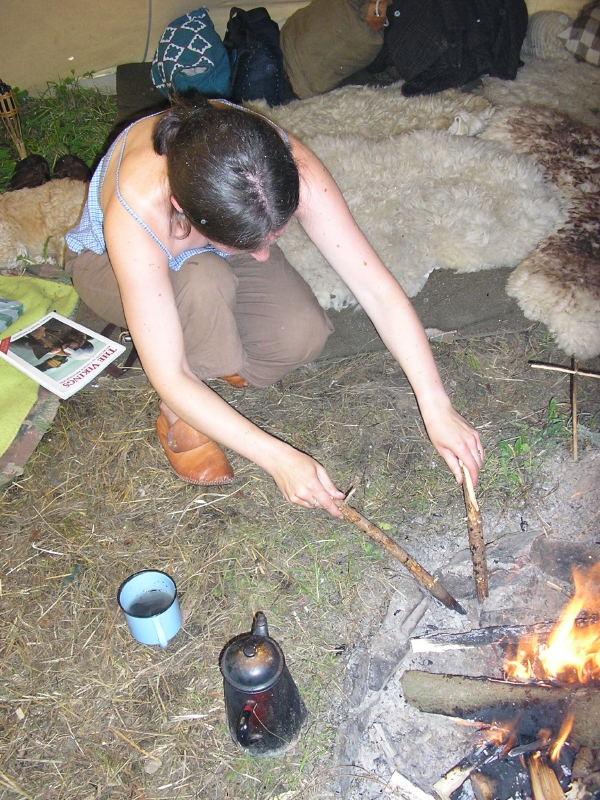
(18,393)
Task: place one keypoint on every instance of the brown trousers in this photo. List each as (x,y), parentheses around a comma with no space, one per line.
(257,319)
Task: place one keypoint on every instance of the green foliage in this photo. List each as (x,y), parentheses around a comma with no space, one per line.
(66,118)
(513,456)
(514,459)
(556,424)
(474,363)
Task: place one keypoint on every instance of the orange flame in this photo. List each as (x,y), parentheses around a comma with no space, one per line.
(572,653)
(563,735)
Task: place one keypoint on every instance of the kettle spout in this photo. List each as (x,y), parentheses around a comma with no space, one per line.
(259,625)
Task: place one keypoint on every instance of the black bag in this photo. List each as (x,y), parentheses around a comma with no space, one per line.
(440,44)
(252,41)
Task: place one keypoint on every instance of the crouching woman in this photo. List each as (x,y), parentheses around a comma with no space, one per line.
(177,243)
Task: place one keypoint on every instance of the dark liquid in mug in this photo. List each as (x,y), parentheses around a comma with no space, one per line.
(150,603)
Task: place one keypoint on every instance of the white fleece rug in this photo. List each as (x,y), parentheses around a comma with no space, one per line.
(380,112)
(426,199)
(566,85)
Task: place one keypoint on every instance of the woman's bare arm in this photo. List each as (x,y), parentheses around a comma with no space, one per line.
(328,222)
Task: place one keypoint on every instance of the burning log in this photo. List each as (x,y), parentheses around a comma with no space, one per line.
(496,634)
(422,577)
(475,530)
(483,698)
(544,782)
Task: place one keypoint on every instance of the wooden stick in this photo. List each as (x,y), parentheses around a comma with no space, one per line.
(544,783)
(133,744)
(574,365)
(476,541)
(405,789)
(455,777)
(564,369)
(422,577)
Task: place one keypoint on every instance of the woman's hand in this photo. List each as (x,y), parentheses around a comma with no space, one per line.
(454,439)
(303,481)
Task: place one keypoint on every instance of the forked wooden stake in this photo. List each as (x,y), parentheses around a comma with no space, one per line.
(422,577)
(475,529)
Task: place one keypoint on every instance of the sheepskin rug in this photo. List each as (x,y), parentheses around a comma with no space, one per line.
(426,198)
(33,222)
(379,112)
(566,85)
(559,282)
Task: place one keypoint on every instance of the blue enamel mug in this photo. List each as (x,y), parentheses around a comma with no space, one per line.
(149,601)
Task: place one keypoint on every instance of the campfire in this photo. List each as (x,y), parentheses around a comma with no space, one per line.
(572,652)
(539,724)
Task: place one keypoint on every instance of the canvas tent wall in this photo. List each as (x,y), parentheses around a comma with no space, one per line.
(44,41)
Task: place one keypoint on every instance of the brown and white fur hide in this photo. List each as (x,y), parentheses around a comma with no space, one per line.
(33,222)
(559,282)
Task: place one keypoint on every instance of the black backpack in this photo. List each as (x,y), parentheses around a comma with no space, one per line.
(252,42)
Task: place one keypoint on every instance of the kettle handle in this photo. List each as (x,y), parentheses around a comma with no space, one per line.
(245,735)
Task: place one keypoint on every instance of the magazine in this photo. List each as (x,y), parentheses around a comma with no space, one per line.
(59,354)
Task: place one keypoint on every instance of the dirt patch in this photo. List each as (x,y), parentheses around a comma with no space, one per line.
(89,713)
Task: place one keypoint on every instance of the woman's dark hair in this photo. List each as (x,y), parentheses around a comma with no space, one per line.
(230,171)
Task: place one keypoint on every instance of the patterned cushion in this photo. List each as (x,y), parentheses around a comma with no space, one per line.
(582,38)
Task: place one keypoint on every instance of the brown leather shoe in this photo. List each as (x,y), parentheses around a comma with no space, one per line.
(194,457)
(236,381)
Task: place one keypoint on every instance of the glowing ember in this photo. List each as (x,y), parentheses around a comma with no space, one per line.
(500,735)
(572,653)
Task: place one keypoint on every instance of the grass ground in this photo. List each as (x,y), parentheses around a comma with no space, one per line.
(87,712)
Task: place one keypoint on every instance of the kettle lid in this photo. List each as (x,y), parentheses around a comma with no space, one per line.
(253,662)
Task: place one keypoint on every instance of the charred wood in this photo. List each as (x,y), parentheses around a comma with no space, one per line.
(484,788)
(455,777)
(497,634)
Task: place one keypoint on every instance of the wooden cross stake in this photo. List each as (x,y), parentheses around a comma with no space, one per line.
(575,373)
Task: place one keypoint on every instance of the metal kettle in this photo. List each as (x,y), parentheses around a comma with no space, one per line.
(265,712)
